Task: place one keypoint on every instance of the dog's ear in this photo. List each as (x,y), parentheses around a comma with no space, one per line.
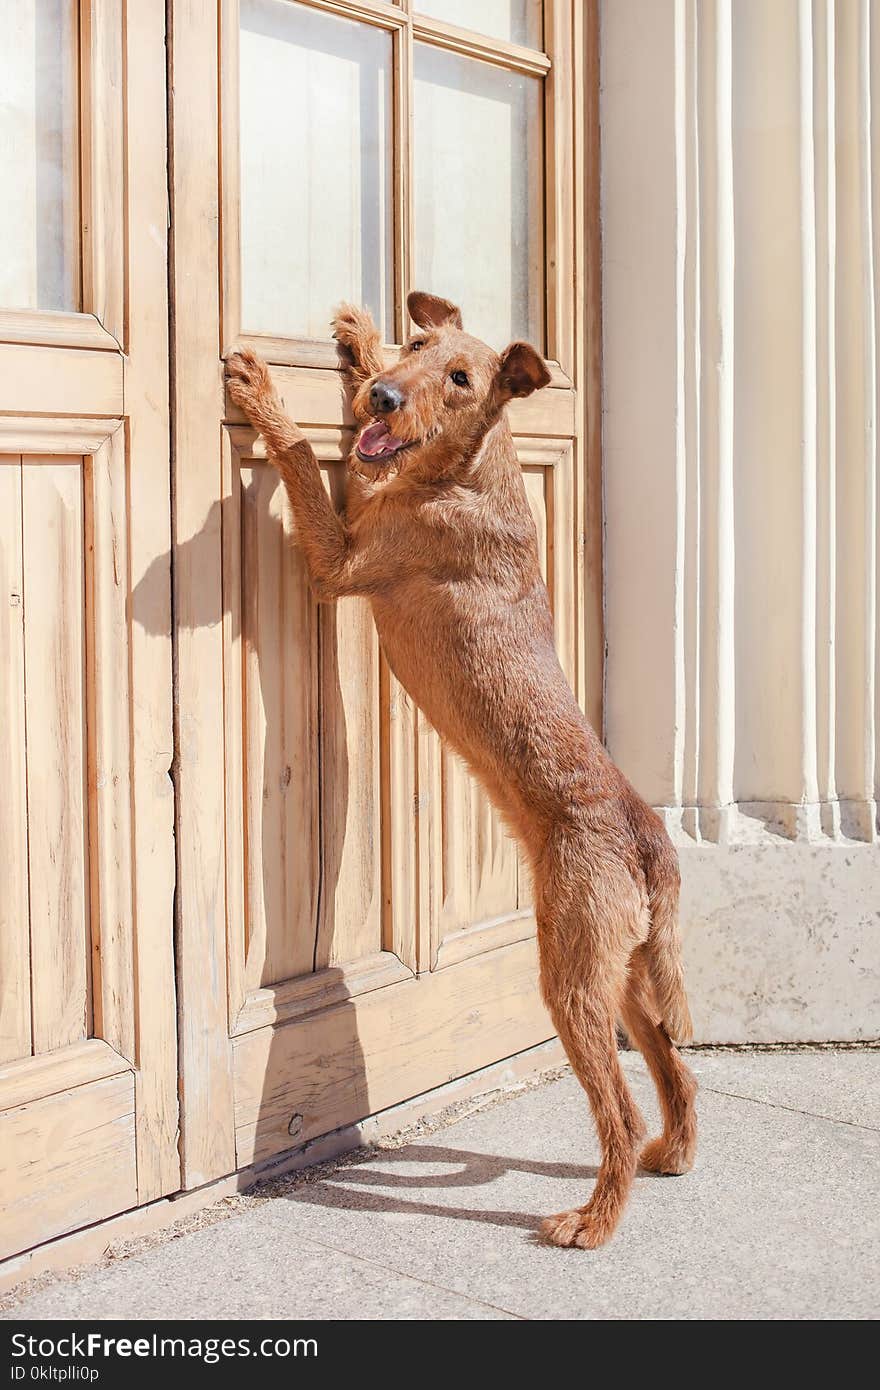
(429,311)
(522,371)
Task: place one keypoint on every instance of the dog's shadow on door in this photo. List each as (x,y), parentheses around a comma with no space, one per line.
(280,748)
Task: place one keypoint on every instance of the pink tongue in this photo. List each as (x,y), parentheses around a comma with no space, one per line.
(377,441)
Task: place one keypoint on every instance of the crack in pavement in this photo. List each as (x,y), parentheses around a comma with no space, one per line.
(792,1109)
(413,1278)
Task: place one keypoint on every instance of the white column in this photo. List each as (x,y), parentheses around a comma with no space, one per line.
(642,319)
(741,217)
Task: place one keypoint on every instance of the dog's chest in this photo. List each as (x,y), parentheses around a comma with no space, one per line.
(452,643)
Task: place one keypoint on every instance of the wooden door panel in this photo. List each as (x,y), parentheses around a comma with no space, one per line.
(303,706)
(15,996)
(350,928)
(53,381)
(370,911)
(55,530)
(87,1171)
(88,1107)
(549,477)
(67,688)
(53,603)
(479,858)
(377,1047)
(280,737)
(65,552)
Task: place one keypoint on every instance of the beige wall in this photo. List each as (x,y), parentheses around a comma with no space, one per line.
(741,221)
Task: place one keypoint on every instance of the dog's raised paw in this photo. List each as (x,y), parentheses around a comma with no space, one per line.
(353,326)
(575,1229)
(666,1156)
(250,385)
(247,375)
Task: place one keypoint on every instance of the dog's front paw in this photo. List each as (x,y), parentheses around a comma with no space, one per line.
(354,327)
(358,337)
(250,384)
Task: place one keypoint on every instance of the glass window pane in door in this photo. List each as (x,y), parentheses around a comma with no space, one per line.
(479,193)
(316,162)
(518,21)
(39,154)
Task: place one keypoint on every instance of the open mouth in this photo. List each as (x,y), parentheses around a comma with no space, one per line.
(376,444)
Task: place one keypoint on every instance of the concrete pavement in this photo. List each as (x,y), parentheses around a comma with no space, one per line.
(779,1220)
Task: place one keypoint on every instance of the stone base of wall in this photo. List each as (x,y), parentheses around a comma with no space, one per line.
(782,940)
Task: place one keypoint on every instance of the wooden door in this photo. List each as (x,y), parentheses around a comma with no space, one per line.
(356,928)
(88,1074)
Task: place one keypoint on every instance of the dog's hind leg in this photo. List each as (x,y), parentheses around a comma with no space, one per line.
(583,976)
(673,1151)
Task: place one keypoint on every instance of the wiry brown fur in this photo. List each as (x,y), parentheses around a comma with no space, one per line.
(443,543)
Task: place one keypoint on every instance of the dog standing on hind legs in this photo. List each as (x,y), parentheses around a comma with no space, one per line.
(438,534)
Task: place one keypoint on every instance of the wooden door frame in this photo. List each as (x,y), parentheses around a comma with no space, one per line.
(94,385)
(203,328)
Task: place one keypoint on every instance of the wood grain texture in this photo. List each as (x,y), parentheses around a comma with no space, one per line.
(55,329)
(401,932)
(351,887)
(479,937)
(279,651)
(108,585)
(33,1078)
(349,1061)
(27,434)
(265,787)
(59,381)
(66,1160)
(53,533)
(15,988)
(500,52)
(318,990)
(149,559)
(234,729)
(208,1144)
(478,876)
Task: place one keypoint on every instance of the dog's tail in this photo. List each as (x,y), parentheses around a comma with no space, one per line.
(663,946)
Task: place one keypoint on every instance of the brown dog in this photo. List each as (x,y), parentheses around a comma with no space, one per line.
(437,532)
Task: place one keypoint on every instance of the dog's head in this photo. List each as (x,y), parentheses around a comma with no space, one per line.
(435,405)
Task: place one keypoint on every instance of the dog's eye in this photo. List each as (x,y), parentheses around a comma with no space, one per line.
(460,378)
(416,346)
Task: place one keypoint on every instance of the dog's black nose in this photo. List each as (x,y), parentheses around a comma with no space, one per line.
(384,397)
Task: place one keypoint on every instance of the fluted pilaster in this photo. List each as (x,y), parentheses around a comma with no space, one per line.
(741,178)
